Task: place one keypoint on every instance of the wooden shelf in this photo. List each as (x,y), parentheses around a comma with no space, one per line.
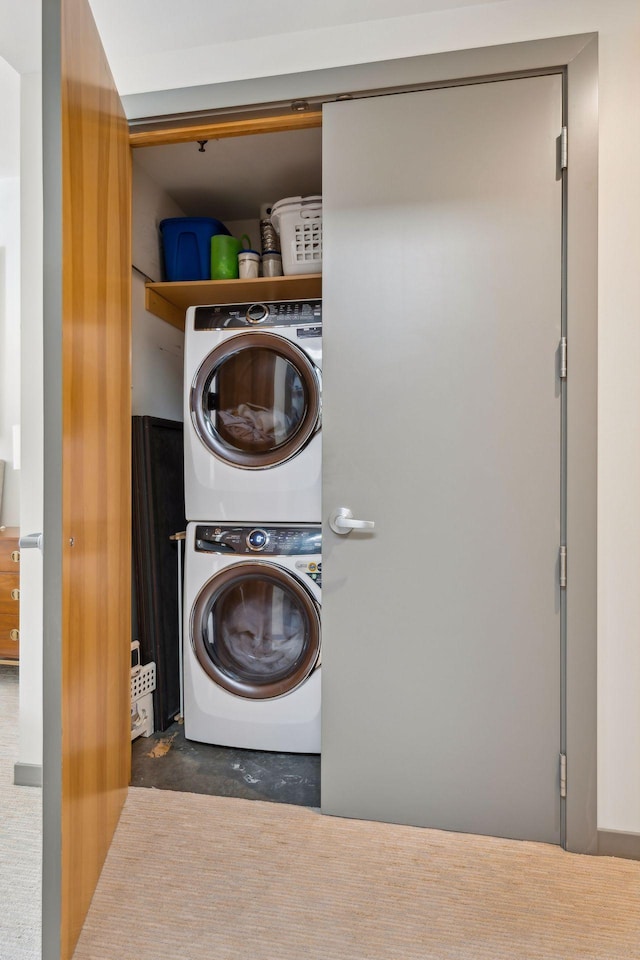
(169,301)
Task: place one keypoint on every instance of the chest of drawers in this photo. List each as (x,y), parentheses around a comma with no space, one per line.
(9,595)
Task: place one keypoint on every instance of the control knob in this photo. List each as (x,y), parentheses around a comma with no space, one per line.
(257,540)
(257,312)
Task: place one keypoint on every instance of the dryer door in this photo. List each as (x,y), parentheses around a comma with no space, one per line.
(255,401)
(255,629)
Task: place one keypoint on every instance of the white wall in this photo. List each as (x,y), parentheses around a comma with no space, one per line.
(618,25)
(20,44)
(31,473)
(248,39)
(150,205)
(9,287)
(9,344)
(157,349)
(249,227)
(157,356)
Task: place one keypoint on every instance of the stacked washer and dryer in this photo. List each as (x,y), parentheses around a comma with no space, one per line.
(253,504)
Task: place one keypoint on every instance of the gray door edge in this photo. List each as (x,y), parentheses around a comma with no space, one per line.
(581,413)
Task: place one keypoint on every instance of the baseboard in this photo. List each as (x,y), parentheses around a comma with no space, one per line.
(617,843)
(27,774)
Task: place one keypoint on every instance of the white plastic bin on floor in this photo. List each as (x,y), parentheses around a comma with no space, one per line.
(143,683)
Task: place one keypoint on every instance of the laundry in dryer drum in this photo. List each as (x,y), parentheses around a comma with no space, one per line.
(263,639)
(254,424)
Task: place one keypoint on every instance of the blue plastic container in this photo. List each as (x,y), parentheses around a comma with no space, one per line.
(186,246)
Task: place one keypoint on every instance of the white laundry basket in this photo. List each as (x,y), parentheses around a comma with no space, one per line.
(143,683)
(298,220)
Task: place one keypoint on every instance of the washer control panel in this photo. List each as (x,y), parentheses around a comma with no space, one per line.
(272,541)
(277,313)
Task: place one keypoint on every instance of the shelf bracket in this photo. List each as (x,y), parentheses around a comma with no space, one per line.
(157,305)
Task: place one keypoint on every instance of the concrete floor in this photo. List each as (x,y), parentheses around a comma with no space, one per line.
(169,762)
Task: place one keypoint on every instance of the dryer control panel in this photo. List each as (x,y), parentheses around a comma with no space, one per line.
(277,313)
(259,540)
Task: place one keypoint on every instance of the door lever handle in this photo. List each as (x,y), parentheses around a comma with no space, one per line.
(33,541)
(342,521)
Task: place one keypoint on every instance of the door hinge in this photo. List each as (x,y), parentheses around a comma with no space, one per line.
(563,358)
(563,774)
(564,149)
(563,566)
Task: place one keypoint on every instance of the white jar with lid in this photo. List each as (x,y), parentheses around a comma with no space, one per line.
(248,264)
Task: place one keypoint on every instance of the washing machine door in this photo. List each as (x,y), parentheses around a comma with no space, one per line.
(256,400)
(255,630)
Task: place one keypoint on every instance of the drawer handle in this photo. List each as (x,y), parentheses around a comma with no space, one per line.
(14,635)
(15,594)
(15,556)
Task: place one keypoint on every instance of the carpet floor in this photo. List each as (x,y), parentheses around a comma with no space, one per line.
(194,877)
(20,839)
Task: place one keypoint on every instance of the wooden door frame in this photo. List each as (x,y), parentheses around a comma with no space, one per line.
(578,55)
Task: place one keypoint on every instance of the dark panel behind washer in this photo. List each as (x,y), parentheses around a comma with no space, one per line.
(158,512)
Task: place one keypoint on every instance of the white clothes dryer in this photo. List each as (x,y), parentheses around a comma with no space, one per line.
(252,636)
(253,401)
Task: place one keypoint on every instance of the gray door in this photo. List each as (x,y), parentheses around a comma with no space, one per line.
(442,423)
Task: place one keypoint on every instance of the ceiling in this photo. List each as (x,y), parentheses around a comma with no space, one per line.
(161,44)
(235,175)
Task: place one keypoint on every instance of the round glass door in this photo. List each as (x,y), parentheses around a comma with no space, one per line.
(255,629)
(255,401)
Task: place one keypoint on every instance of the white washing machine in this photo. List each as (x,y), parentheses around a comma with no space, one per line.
(252,636)
(253,402)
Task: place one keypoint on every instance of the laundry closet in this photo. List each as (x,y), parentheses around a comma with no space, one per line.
(442,256)
(259,497)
